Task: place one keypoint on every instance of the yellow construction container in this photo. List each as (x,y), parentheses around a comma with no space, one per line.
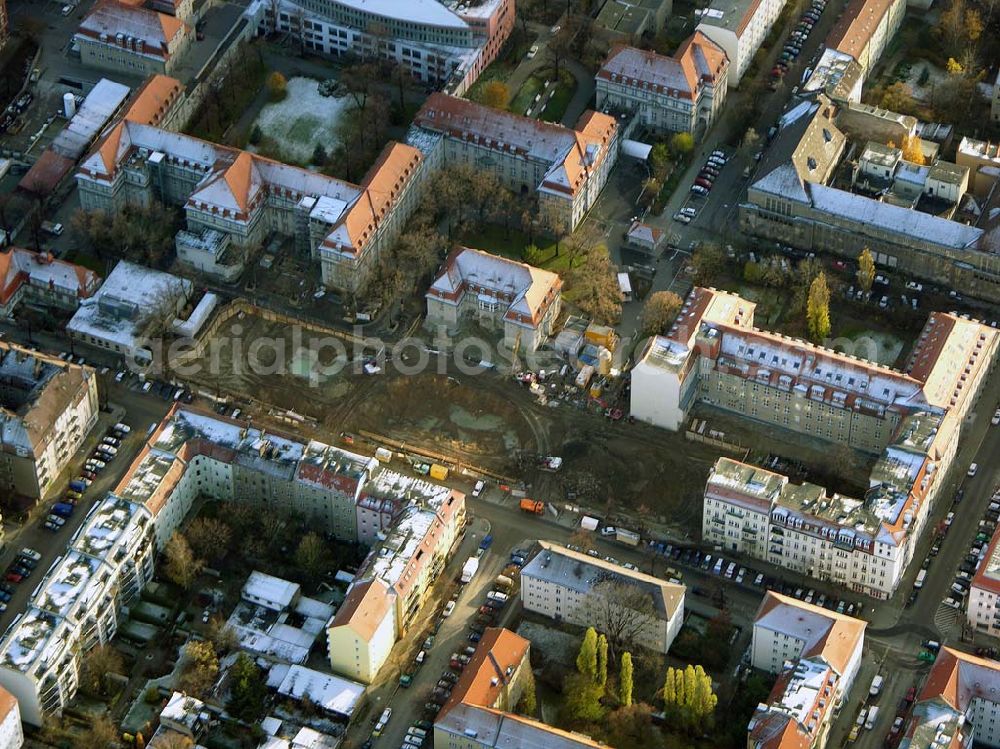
(602,335)
(438,472)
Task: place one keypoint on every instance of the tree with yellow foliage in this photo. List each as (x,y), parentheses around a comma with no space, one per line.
(912,151)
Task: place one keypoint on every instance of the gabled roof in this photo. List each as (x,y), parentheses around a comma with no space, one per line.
(698,60)
(498,655)
(153,100)
(155,30)
(526,289)
(826,634)
(233,186)
(857,26)
(364,609)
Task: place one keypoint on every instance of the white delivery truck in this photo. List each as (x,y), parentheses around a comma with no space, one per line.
(872,717)
(470,568)
(588,523)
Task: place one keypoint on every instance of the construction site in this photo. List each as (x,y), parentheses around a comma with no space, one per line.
(487,424)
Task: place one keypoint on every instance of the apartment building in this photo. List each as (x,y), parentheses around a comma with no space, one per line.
(982,609)
(47,409)
(394,582)
(837,76)
(865,29)
(739,27)
(127,38)
(683,93)
(441,42)
(78,605)
(566,585)
(343,227)
(816,654)
(912,419)
(495,293)
(43,280)
(958,706)
(478,714)
(565,168)
(193,453)
(11,732)
(790,202)
(130,311)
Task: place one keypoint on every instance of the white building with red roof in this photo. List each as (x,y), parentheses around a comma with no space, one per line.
(128,38)
(683,93)
(496,293)
(565,167)
(816,654)
(959,706)
(11,733)
(739,27)
(245,196)
(983,607)
(912,419)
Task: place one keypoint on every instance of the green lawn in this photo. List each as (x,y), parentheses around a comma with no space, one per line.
(525,95)
(556,108)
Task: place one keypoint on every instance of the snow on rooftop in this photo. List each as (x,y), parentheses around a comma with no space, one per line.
(106,526)
(31,640)
(97,109)
(199,315)
(69,583)
(187,425)
(269,590)
(388,483)
(333,694)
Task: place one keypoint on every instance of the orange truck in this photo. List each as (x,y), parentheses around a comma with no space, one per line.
(533,506)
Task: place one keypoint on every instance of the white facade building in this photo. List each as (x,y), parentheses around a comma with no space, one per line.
(959,705)
(562,584)
(983,605)
(441,42)
(127,38)
(78,605)
(865,29)
(739,27)
(132,301)
(496,293)
(683,93)
(47,409)
(11,733)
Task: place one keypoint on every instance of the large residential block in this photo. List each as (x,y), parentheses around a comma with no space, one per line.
(913,419)
(396,578)
(442,42)
(816,654)
(495,293)
(683,93)
(565,168)
(342,226)
(739,27)
(127,38)
(47,409)
(568,586)
(959,705)
(79,604)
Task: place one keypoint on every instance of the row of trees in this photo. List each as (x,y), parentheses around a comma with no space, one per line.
(592,697)
(142,234)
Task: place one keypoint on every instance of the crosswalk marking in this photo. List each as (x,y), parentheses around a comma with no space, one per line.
(945,619)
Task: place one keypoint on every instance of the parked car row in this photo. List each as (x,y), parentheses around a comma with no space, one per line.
(977,553)
(20,569)
(706,177)
(749,577)
(793,47)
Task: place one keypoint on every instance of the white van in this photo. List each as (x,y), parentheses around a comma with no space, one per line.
(872,717)
(876,686)
(919,582)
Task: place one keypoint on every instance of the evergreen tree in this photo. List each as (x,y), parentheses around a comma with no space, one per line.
(625,680)
(586,660)
(602,660)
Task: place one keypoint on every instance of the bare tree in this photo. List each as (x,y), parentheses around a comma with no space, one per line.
(97,665)
(621,611)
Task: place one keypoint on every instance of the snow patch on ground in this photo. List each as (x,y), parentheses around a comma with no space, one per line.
(303,119)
